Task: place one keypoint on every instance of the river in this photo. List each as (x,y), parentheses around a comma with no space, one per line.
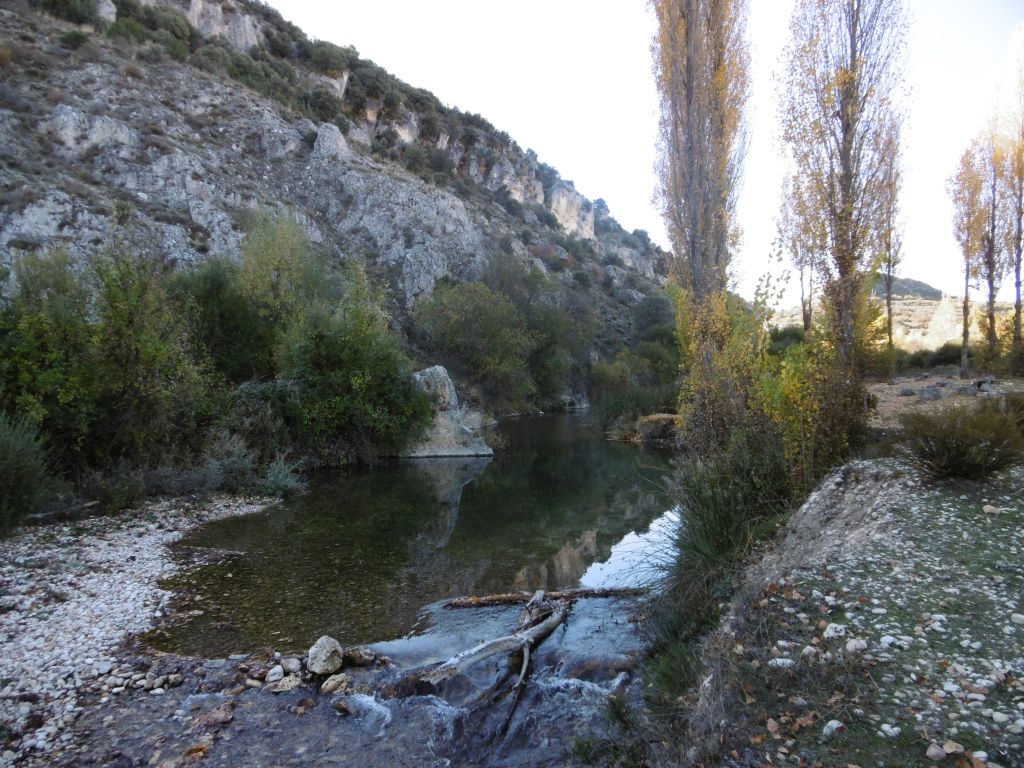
(364,553)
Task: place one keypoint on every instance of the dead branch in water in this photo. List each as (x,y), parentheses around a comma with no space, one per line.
(539,619)
(514,598)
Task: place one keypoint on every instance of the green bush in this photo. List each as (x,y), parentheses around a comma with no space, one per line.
(75,11)
(48,342)
(74,39)
(26,482)
(963,441)
(127,29)
(354,394)
(240,339)
(486,335)
(152,394)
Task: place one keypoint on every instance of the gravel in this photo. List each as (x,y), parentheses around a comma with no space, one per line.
(70,594)
(914,615)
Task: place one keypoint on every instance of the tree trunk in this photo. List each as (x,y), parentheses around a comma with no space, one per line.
(888,320)
(964,372)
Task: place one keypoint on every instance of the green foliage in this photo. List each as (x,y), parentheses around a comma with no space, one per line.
(124,366)
(330,59)
(48,343)
(26,482)
(240,339)
(727,502)
(74,39)
(127,29)
(485,333)
(354,395)
(782,339)
(153,395)
(810,399)
(963,441)
(75,11)
(516,334)
(321,105)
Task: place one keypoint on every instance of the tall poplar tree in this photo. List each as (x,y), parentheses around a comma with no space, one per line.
(701,65)
(840,91)
(965,190)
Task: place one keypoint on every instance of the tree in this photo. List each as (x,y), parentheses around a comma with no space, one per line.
(840,83)
(701,66)
(1013,180)
(890,235)
(990,152)
(965,189)
(803,233)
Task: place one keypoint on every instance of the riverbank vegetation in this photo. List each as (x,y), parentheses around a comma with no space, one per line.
(516,334)
(764,421)
(140,378)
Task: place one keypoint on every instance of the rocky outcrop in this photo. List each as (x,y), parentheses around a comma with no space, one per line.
(574,212)
(454,430)
(218,18)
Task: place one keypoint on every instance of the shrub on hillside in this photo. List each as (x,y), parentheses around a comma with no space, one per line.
(26,482)
(75,11)
(963,441)
(74,39)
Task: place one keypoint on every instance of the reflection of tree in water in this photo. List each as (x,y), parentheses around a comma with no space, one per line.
(359,556)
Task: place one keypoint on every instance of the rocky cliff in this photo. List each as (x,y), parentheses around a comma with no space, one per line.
(111,133)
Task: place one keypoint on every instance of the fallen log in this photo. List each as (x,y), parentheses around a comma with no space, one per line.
(570,595)
(518,641)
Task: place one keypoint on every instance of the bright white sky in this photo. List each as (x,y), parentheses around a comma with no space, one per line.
(571,79)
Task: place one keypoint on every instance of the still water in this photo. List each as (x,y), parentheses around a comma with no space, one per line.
(360,556)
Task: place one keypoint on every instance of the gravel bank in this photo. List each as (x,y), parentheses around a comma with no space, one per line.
(885,629)
(70,594)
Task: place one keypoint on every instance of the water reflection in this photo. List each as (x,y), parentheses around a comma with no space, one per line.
(360,555)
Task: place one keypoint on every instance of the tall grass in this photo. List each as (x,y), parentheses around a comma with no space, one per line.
(729,501)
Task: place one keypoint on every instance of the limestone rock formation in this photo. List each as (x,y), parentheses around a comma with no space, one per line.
(454,430)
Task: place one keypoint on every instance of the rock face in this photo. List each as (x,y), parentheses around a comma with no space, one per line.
(450,433)
(215,18)
(919,322)
(177,159)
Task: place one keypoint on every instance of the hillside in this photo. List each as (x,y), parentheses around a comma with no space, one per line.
(162,125)
(923,317)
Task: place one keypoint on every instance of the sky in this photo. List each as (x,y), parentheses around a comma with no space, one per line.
(571,79)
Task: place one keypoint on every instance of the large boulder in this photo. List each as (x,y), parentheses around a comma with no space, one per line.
(450,433)
(325,656)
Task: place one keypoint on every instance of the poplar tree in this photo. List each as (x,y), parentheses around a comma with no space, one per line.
(965,190)
(840,87)
(701,67)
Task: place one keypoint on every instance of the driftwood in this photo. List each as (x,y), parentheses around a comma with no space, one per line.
(539,619)
(514,598)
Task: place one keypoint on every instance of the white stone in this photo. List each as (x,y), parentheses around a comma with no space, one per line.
(325,656)
(856,645)
(782,663)
(832,727)
(276,673)
(833,631)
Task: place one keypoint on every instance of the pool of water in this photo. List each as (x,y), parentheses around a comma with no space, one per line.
(364,552)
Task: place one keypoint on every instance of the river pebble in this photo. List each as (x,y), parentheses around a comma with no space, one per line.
(71,595)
